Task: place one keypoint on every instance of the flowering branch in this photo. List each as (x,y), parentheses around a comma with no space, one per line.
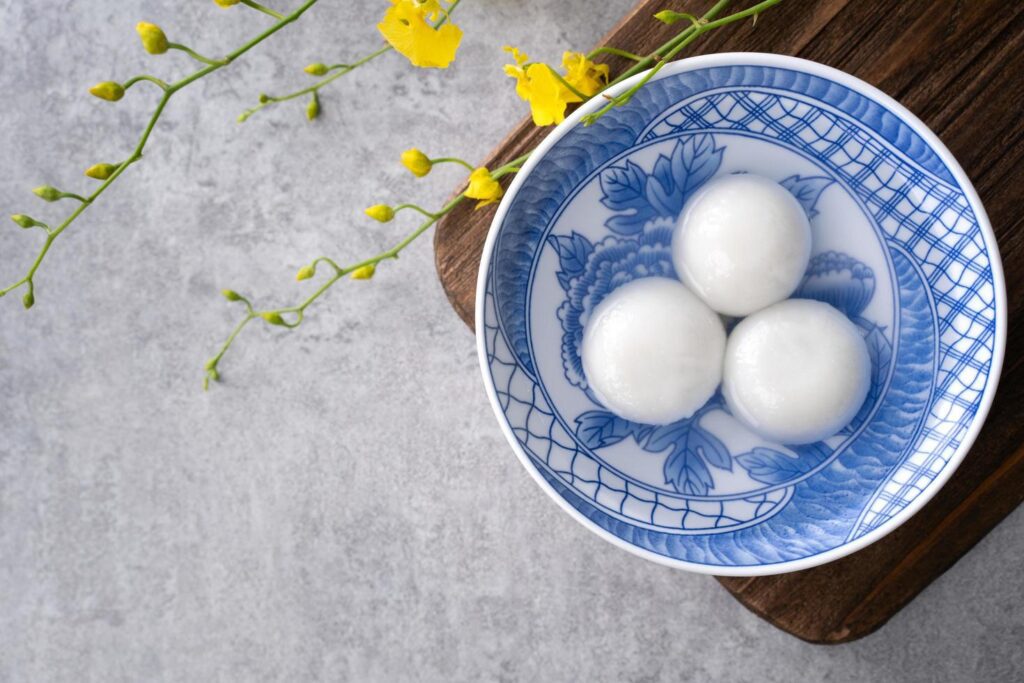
(548,102)
(331,73)
(484,188)
(155,42)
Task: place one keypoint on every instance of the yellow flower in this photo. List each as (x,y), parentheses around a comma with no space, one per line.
(584,75)
(417,162)
(316,69)
(548,97)
(227,3)
(107,90)
(305,272)
(484,187)
(406,27)
(380,212)
(364,273)
(153,38)
(537,85)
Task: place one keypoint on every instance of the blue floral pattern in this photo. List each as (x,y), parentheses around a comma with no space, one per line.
(646,206)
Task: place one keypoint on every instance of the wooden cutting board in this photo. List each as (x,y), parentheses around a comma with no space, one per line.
(958,66)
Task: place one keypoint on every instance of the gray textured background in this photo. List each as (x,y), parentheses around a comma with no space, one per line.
(344,506)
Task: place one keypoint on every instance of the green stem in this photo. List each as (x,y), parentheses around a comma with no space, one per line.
(137,153)
(417,208)
(145,77)
(614,51)
(195,55)
(260,8)
(658,55)
(568,86)
(453,160)
(342,70)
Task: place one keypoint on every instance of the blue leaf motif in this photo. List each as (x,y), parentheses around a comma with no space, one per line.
(640,197)
(687,473)
(630,223)
(663,195)
(880,351)
(573,251)
(599,428)
(770,466)
(692,448)
(623,187)
(694,162)
(807,190)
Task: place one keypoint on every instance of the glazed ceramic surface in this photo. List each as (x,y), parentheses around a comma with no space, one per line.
(902,246)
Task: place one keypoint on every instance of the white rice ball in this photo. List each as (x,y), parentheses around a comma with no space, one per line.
(742,243)
(796,372)
(652,351)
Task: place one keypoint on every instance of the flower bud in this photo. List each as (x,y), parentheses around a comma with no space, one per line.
(313,108)
(273,318)
(364,273)
(153,38)
(305,272)
(418,163)
(210,364)
(264,98)
(107,90)
(25,221)
(29,300)
(380,212)
(226,3)
(101,171)
(48,193)
(316,69)
(231,295)
(667,16)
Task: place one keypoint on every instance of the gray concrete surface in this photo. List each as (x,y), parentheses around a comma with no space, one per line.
(344,506)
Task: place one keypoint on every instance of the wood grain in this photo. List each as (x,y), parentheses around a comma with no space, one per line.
(958,66)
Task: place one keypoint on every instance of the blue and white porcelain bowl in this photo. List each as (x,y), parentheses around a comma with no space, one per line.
(901,245)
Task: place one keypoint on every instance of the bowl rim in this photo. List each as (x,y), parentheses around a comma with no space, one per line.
(999,286)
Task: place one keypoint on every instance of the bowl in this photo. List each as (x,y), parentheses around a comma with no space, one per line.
(902,246)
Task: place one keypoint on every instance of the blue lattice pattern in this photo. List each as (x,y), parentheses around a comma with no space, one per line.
(552,447)
(918,212)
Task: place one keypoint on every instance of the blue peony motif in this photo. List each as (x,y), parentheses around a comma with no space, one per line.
(609,264)
(647,206)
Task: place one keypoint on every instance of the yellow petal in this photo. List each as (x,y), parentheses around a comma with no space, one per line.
(405,28)
(517,55)
(547,96)
(584,75)
(484,187)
